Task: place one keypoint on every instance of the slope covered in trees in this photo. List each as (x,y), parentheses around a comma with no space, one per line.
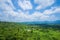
(16,31)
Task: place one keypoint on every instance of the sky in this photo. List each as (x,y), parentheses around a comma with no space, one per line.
(29,10)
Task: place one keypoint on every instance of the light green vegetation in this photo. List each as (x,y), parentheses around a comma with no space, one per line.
(15,31)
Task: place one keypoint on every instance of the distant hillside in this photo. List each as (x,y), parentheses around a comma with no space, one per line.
(43,22)
(38,22)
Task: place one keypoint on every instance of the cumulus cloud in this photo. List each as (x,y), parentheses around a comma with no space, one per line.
(20,16)
(53,10)
(48,14)
(7,9)
(8,12)
(43,3)
(25,4)
(57,10)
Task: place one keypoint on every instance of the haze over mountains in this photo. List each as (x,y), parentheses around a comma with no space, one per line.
(38,22)
(43,22)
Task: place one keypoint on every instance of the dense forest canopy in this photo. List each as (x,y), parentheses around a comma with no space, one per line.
(18,31)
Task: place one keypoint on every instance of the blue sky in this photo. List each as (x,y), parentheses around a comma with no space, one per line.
(29,10)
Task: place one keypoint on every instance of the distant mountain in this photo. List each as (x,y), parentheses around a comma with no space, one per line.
(39,22)
(43,22)
(55,22)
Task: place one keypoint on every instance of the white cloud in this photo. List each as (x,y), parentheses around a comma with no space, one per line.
(49,11)
(57,10)
(47,14)
(2,3)
(21,16)
(25,4)
(53,10)
(7,9)
(43,3)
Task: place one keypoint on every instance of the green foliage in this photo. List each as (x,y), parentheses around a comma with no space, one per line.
(16,31)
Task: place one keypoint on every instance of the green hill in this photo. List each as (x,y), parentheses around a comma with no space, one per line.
(18,31)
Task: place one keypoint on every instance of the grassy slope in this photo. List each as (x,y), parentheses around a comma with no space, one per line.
(13,31)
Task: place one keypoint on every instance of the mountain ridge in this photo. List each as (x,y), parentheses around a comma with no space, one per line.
(43,22)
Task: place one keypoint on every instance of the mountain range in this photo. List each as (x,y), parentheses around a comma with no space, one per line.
(43,22)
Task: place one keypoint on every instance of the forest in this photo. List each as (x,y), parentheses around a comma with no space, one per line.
(20,31)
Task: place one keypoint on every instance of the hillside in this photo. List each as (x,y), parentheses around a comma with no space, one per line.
(18,31)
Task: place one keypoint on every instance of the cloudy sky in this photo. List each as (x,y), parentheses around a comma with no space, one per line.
(29,10)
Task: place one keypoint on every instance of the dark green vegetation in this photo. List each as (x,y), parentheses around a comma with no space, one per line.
(15,31)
